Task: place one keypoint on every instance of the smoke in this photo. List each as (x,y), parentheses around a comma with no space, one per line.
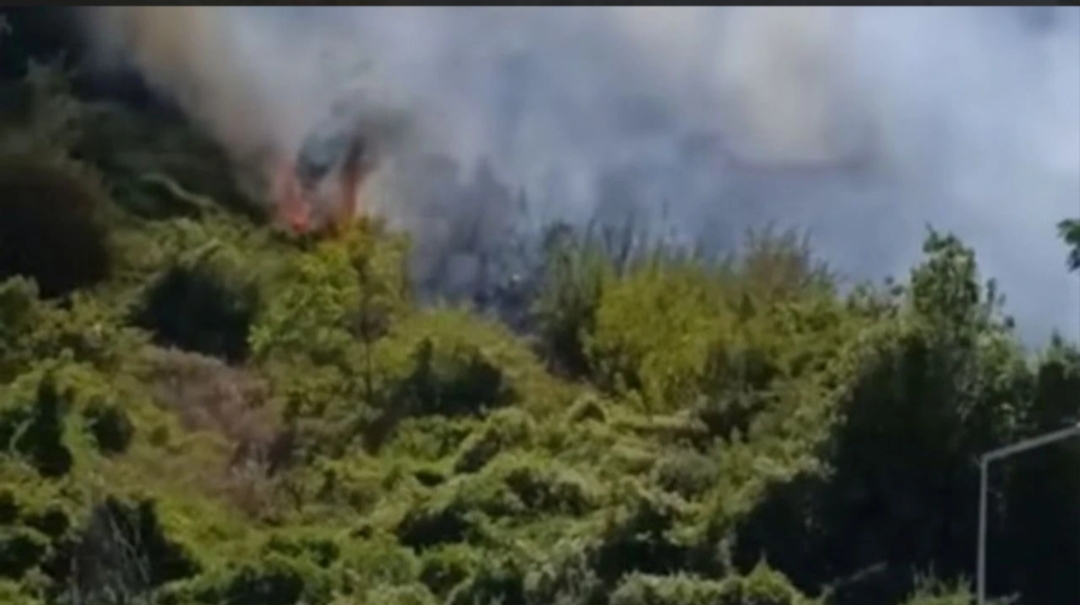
(860,124)
(186,52)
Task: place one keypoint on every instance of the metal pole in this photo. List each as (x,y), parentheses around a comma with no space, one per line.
(1032,443)
(984,465)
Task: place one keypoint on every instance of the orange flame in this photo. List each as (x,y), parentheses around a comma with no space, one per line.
(353,175)
(291,207)
(294,205)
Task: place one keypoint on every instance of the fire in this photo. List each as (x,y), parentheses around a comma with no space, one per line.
(296,205)
(353,176)
(292,207)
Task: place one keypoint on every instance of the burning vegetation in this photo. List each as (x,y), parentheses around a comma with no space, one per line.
(322,189)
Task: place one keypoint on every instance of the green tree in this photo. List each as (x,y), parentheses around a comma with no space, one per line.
(1069,229)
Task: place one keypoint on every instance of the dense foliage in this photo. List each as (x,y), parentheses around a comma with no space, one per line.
(195,409)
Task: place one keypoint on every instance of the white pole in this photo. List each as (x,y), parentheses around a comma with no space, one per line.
(984,464)
(984,467)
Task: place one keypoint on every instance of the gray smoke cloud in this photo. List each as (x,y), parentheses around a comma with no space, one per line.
(861,124)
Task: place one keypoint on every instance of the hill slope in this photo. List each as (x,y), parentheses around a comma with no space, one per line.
(197,409)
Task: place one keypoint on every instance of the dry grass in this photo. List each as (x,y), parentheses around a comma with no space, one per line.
(209,396)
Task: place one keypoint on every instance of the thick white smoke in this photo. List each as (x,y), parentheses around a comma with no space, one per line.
(861,124)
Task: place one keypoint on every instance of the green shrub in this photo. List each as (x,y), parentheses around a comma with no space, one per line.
(413,594)
(565,310)
(450,382)
(503,431)
(20,314)
(546,488)
(654,332)
(274,580)
(111,428)
(640,536)
(13,593)
(59,412)
(931,591)
(448,364)
(321,550)
(499,580)
(342,295)
(430,438)
(434,522)
(202,307)
(36,429)
(761,587)
(565,576)
(764,586)
(9,505)
(52,520)
(52,229)
(21,549)
(288,569)
(686,473)
(379,561)
(82,329)
(639,589)
(445,567)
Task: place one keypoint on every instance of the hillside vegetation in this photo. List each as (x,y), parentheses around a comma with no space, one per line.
(196,409)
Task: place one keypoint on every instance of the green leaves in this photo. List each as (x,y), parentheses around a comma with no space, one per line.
(1069,230)
(762,586)
(325,300)
(945,288)
(45,202)
(310,312)
(202,306)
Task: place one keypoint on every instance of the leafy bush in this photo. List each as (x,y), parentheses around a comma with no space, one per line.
(565,310)
(565,576)
(438,522)
(36,429)
(502,432)
(45,202)
(21,549)
(931,591)
(341,291)
(654,330)
(761,587)
(443,568)
(200,304)
(111,428)
(448,371)
(391,595)
(499,581)
(273,580)
(546,488)
(688,474)
(83,330)
(13,593)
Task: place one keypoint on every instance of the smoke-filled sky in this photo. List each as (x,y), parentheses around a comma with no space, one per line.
(860,124)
